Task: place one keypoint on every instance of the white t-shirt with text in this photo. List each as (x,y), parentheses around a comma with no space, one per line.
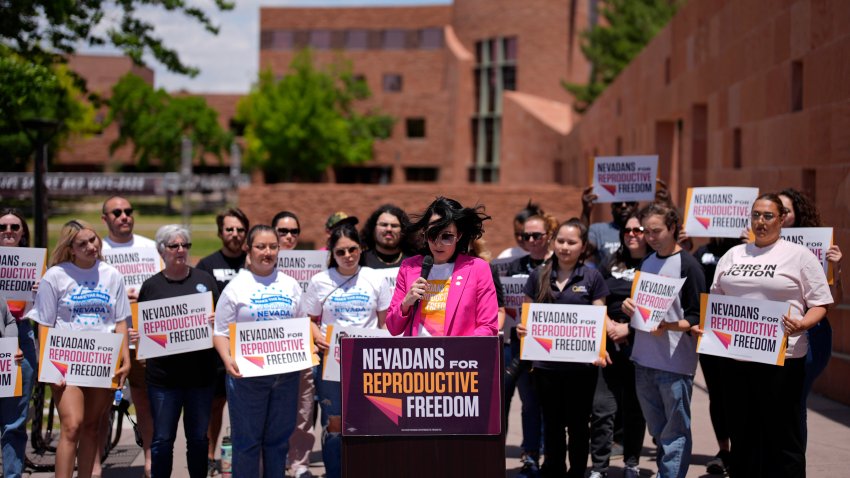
(252,298)
(345,304)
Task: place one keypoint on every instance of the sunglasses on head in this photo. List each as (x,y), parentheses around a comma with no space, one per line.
(240,230)
(637,231)
(117,212)
(282,231)
(349,250)
(12,227)
(178,245)
(529,236)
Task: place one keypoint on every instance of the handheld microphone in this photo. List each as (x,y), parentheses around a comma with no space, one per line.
(427,264)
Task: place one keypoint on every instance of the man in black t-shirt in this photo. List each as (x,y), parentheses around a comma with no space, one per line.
(223,265)
(383,236)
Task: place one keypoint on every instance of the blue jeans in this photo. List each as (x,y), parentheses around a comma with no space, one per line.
(262,417)
(330,400)
(665,399)
(166,405)
(817,358)
(531,414)
(14,410)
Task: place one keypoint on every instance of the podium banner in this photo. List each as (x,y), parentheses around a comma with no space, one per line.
(718,211)
(174,325)
(653,295)
(302,265)
(85,359)
(136,264)
(816,239)
(10,372)
(563,333)
(624,178)
(330,365)
(271,347)
(742,329)
(412,386)
(20,268)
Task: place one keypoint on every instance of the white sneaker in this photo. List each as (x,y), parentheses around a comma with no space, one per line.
(631,472)
(303,472)
(596,474)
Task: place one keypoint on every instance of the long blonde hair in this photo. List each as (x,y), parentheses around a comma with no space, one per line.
(62,252)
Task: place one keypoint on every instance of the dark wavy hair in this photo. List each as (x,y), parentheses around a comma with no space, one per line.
(668,212)
(623,257)
(774,198)
(468,220)
(805,212)
(25,235)
(544,289)
(367,234)
(284,214)
(346,229)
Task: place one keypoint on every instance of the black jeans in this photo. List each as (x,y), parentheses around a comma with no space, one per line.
(566,398)
(719,391)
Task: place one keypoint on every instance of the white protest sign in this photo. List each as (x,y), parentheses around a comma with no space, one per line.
(330,365)
(10,372)
(624,178)
(816,239)
(718,211)
(302,265)
(514,297)
(390,274)
(653,295)
(84,359)
(20,268)
(136,264)
(271,347)
(172,326)
(742,329)
(563,333)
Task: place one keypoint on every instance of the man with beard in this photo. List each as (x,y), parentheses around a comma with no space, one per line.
(604,237)
(383,235)
(223,265)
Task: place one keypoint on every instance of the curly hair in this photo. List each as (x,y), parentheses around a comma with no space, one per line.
(805,213)
(468,220)
(367,233)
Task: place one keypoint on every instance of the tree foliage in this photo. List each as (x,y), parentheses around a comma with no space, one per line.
(302,124)
(47,27)
(156,122)
(611,45)
(30,91)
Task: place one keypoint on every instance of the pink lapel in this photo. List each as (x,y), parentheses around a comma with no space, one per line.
(459,279)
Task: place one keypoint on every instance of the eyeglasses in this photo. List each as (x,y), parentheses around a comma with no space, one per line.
(531,236)
(637,231)
(767,216)
(349,250)
(178,245)
(117,212)
(263,247)
(388,225)
(12,227)
(282,231)
(444,238)
(239,230)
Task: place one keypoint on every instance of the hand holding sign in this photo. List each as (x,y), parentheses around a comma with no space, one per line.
(624,178)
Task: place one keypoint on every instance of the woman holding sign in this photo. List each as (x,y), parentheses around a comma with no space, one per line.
(184,382)
(80,292)
(454,297)
(666,359)
(262,409)
(765,408)
(565,389)
(15,233)
(344,295)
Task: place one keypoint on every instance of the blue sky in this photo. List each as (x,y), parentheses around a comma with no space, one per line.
(228,62)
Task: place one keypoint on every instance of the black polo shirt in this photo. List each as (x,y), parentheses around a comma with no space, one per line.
(583,287)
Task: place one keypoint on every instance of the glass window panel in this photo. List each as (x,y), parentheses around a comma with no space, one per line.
(356,39)
(320,39)
(431,38)
(510,48)
(394,39)
(392,82)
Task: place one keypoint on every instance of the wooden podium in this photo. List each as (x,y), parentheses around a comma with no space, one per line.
(448,447)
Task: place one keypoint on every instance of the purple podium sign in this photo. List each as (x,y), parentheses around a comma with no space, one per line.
(421,386)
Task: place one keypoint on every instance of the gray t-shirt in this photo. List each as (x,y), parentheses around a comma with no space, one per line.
(605,236)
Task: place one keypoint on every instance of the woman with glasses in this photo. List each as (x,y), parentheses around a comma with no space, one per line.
(14,410)
(345,295)
(458,296)
(537,233)
(180,383)
(767,438)
(288,228)
(262,409)
(77,270)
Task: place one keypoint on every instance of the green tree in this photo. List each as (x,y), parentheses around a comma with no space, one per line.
(301,125)
(610,46)
(156,122)
(31,91)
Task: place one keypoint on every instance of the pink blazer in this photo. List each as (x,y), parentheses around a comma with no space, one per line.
(471,307)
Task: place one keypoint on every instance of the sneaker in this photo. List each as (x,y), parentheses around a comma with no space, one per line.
(631,472)
(303,472)
(717,465)
(530,468)
(597,474)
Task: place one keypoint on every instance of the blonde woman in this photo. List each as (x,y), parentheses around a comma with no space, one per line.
(76,266)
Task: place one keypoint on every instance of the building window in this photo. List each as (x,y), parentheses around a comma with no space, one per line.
(509,78)
(394,39)
(415,127)
(356,39)
(431,38)
(495,73)
(320,39)
(509,47)
(277,40)
(364,175)
(421,175)
(737,160)
(796,86)
(301,39)
(392,82)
